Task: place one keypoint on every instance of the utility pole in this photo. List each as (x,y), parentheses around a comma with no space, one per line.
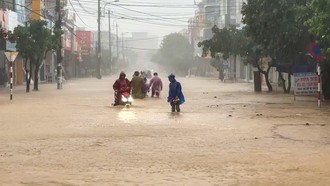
(117,41)
(98,65)
(192,34)
(122,45)
(58,27)
(110,41)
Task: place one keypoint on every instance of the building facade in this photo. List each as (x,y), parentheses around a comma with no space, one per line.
(86,49)
(8,22)
(222,13)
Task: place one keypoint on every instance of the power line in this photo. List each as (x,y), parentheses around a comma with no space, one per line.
(150,49)
(164,18)
(156,6)
(142,39)
(159,18)
(84,8)
(36,12)
(78,14)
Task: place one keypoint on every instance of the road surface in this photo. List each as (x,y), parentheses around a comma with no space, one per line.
(225,135)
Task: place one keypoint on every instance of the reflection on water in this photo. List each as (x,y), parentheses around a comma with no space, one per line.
(126,116)
(146,117)
(174,115)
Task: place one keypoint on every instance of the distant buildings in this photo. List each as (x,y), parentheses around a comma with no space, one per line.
(18,12)
(128,48)
(8,21)
(144,45)
(222,13)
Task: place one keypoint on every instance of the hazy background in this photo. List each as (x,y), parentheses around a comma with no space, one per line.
(157,17)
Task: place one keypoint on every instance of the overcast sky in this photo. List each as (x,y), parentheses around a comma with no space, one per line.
(158,17)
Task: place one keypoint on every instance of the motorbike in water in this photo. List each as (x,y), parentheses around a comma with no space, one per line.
(126,99)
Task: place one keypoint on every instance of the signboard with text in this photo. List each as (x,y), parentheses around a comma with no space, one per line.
(305,84)
(85,40)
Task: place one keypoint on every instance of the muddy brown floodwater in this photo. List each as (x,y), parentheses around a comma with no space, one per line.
(225,135)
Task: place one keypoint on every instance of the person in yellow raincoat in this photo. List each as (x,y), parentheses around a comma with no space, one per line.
(137,86)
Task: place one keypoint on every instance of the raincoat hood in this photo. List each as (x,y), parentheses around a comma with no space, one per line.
(171,78)
(122,75)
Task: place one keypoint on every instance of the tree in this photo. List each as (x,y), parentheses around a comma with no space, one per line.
(319,23)
(33,42)
(256,57)
(175,54)
(228,41)
(319,26)
(278,28)
(22,37)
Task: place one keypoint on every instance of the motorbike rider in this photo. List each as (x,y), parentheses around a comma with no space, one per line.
(121,85)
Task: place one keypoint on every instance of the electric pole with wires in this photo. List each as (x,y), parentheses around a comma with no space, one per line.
(98,65)
(58,31)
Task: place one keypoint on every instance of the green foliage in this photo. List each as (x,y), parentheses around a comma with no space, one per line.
(228,41)
(34,41)
(319,23)
(277,27)
(175,54)
(224,43)
(41,39)
(319,26)
(253,53)
(23,41)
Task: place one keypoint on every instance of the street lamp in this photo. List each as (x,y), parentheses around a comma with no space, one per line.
(99,37)
(109,3)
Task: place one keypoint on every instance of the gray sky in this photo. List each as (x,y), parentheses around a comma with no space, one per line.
(158,17)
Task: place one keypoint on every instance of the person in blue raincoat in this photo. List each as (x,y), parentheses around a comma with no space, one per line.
(175,95)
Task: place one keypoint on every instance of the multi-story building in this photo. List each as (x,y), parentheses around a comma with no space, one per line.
(46,10)
(85,42)
(11,14)
(222,13)
(230,13)
(71,55)
(18,12)
(7,4)
(37,7)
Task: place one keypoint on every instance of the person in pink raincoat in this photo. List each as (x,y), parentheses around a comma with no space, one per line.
(156,85)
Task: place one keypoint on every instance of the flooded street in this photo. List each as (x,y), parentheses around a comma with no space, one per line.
(225,135)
